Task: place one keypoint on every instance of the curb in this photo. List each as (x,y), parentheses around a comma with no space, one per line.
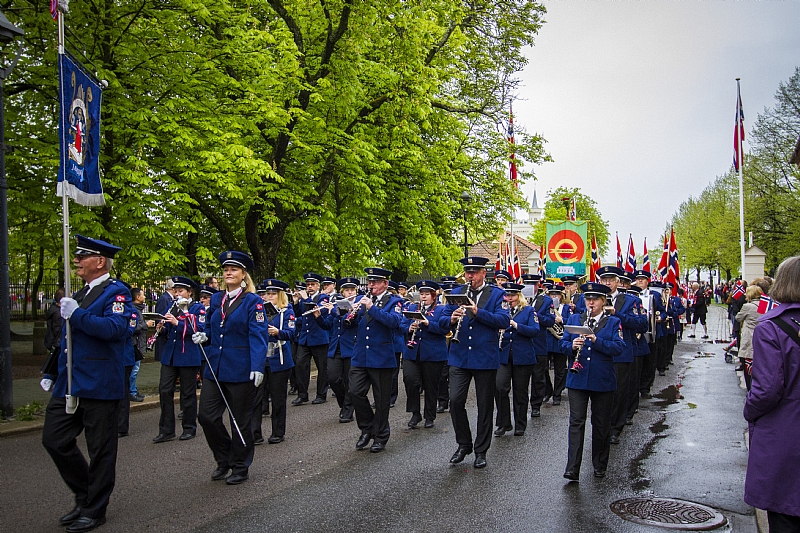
(15,428)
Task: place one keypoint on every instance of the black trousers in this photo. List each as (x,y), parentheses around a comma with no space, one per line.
(444,387)
(559,373)
(91,483)
(783,523)
(669,346)
(548,383)
(227,448)
(396,379)
(539,376)
(274,387)
(514,378)
(188,395)
(648,368)
(485,381)
(419,376)
(125,405)
(374,423)
(634,379)
(293,371)
(601,428)
(303,369)
(339,380)
(619,410)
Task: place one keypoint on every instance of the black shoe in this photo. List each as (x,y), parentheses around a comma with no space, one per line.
(600,473)
(259,441)
(137,397)
(416,418)
(180,415)
(572,476)
(85,523)
(372,405)
(500,431)
(690,336)
(629,421)
(441,408)
(704,337)
(219,473)
(275,439)
(428,424)
(546,399)
(187,435)
(519,433)
(163,437)
(318,400)
(480,460)
(614,439)
(391,405)
(535,413)
(122,434)
(460,454)
(299,401)
(556,401)
(292,390)
(377,447)
(662,373)
(363,441)
(345,419)
(236,479)
(71,516)
(646,395)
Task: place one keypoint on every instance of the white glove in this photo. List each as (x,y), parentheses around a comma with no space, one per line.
(199,337)
(256,378)
(68,306)
(46,384)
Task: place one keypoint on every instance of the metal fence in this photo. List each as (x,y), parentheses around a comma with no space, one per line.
(28,306)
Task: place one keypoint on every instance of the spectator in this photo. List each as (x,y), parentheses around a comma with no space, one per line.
(139,341)
(163,306)
(748,318)
(773,472)
(52,337)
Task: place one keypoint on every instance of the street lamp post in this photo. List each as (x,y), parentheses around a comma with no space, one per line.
(685,270)
(465,199)
(8,33)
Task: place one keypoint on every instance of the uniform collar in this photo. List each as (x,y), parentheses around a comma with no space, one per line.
(97,281)
(380,296)
(232,294)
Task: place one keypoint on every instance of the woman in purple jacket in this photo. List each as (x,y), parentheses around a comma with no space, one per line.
(773,406)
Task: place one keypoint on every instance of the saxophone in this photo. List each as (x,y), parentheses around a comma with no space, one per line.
(557,330)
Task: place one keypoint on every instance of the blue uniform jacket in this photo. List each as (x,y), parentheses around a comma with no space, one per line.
(596,358)
(180,350)
(130,355)
(521,338)
(675,309)
(343,335)
(375,341)
(553,343)
(238,346)
(641,347)
(580,304)
(431,339)
(285,321)
(100,334)
(479,348)
(627,312)
(545,311)
(311,330)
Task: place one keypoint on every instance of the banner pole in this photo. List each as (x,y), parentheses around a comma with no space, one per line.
(739,156)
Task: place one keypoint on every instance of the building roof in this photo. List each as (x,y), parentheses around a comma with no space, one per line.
(488,248)
(534,203)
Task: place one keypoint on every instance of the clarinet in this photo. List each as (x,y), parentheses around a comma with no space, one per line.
(457,330)
(576,364)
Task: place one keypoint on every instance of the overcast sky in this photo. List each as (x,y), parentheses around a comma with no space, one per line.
(637,99)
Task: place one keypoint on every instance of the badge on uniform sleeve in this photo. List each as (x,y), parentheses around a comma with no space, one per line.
(259,306)
(120,298)
(118,307)
(202,317)
(399,307)
(133,320)
(505,304)
(535,318)
(620,333)
(259,316)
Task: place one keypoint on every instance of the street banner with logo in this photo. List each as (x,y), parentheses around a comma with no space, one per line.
(566,247)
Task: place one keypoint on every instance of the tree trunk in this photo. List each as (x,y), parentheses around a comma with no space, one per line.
(37,283)
(190,250)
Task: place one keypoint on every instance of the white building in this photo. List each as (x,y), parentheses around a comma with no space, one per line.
(523,227)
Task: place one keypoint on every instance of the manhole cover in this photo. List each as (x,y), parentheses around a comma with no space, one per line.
(668,513)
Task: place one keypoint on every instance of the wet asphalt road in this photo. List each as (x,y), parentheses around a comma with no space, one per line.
(691,448)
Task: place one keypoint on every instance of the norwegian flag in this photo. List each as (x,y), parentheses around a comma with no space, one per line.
(595,260)
(766,304)
(645,258)
(516,269)
(630,263)
(674,267)
(509,258)
(738,291)
(543,262)
(738,131)
(513,168)
(54,9)
(497,265)
(619,253)
(663,264)
(573,210)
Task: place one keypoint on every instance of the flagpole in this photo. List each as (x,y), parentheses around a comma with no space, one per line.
(71,401)
(739,150)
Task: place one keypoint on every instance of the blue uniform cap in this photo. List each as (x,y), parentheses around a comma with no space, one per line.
(474,263)
(376,273)
(448,286)
(595,289)
(502,274)
(642,274)
(275,284)
(403,285)
(570,279)
(87,246)
(184,282)
(261,288)
(659,285)
(393,285)
(328,279)
(635,290)
(626,275)
(513,287)
(349,282)
(606,271)
(235,258)
(547,285)
(447,279)
(428,285)
(534,278)
(205,289)
(311,276)
(556,287)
